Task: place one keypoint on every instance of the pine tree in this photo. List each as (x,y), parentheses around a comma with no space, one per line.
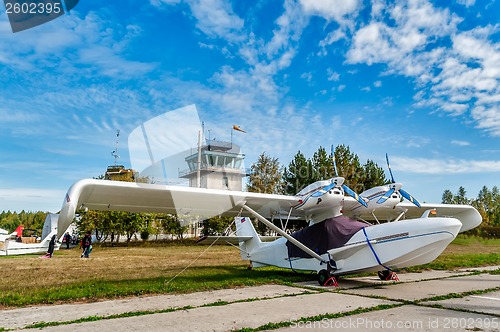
(298,175)
(349,167)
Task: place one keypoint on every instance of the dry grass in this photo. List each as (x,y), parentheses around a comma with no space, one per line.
(110,263)
(148,269)
(144,262)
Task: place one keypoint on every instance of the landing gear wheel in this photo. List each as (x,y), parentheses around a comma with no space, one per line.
(387,275)
(383,275)
(323,276)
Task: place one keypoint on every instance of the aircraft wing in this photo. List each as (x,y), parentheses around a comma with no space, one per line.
(467,214)
(107,195)
(214,239)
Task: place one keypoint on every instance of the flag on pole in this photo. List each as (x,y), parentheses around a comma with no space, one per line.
(235,127)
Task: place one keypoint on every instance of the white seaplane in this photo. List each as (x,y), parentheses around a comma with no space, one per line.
(334,244)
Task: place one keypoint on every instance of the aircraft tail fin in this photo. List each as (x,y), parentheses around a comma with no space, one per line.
(19,231)
(244,227)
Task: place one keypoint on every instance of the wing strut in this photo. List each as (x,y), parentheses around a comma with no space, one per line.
(284,234)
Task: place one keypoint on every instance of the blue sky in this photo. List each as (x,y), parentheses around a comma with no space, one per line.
(416,79)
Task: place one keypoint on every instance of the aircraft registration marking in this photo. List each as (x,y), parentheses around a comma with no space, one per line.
(393,236)
(383,238)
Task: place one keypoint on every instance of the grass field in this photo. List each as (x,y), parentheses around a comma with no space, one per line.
(114,272)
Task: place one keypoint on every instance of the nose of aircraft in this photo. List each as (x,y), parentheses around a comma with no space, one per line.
(451,225)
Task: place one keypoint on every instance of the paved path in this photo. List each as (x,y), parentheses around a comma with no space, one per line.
(429,301)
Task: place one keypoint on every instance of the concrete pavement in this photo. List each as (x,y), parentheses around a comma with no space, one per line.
(428,301)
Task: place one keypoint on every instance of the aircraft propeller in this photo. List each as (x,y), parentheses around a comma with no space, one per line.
(335,182)
(396,187)
(346,189)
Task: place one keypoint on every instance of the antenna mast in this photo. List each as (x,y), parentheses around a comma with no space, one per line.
(115,152)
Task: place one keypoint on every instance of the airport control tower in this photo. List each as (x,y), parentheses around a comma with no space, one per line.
(215,165)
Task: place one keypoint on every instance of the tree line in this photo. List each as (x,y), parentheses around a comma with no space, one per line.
(267,176)
(110,226)
(30,220)
(487,203)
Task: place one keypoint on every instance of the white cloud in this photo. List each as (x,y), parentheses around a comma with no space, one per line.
(332,75)
(18,116)
(454,108)
(470,78)
(467,3)
(331,9)
(488,118)
(460,143)
(38,199)
(417,23)
(92,41)
(158,3)
(307,76)
(215,18)
(456,79)
(438,166)
(331,38)
(377,84)
(289,29)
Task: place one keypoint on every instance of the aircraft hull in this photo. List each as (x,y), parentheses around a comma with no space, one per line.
(393,245)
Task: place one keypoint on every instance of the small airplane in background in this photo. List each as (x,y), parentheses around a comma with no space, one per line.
(15,244)
(334,244)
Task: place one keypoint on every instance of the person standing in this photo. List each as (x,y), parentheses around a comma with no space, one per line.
(52,244)
(86,245)
(67,238)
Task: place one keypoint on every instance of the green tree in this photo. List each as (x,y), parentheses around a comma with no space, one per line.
(298,175)
(302,172)
(447,197)
(349,167)
(266,176)
(322,165)
(30,220)
(373,175)
(216,225)
(495,206)
(172,226)
(131,223)
(488,205)
(461,197)
(10,221)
